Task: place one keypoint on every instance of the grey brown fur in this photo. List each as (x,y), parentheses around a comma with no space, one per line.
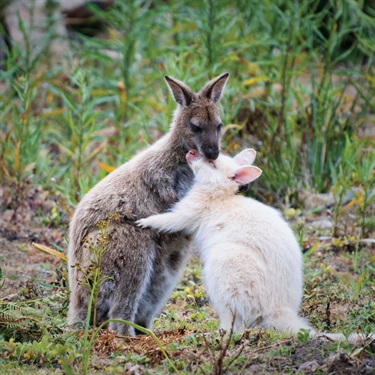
(143,265)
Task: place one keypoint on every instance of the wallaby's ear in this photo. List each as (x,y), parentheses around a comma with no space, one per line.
(215,88)
(245,157)
(182,93)
(246,174)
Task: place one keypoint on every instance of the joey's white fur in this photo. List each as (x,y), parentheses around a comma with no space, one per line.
(252,263)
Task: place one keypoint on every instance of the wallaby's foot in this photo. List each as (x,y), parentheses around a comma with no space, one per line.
(122,328)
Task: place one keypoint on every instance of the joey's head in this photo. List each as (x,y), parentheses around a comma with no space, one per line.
(197,120)
(224,172)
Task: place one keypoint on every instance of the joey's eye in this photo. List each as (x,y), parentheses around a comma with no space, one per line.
(195,128)
(219,127)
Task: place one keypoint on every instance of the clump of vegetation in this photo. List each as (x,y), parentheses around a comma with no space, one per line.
(301,92)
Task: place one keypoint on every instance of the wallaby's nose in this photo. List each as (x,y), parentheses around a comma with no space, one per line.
(211,153)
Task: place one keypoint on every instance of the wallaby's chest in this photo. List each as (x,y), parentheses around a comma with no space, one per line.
(182,180)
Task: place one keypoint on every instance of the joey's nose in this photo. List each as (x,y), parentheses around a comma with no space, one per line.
(212,153)
(193,152)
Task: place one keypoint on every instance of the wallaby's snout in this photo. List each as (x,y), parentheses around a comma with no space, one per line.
(211,153)
(206,137)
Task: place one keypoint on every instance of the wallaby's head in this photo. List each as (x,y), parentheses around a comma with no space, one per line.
(197,122)
(224,171)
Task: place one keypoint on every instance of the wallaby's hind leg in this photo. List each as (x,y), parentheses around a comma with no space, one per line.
(123,309)
(166,273)
(127,263)
(287,320)
(79,299)
(126,304)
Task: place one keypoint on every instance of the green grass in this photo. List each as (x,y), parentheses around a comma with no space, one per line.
(301,92)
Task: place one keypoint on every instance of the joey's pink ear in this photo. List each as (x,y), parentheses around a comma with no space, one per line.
(245,157)
(246,174)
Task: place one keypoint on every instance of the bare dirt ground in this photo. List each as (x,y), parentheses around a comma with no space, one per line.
(20,226)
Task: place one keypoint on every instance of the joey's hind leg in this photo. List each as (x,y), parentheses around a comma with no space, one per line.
(286,320)
(229,319)
(168,266)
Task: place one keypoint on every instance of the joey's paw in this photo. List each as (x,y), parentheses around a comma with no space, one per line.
(142,223)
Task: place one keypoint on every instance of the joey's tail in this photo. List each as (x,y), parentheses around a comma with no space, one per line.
(353,338)
(288,320)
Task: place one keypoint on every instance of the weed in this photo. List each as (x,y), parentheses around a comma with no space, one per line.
(31,318)
(91,276)
(303,335)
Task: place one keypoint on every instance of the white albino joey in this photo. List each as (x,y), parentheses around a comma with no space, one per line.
(252,263)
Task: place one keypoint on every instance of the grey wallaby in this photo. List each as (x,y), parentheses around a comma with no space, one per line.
(143,266)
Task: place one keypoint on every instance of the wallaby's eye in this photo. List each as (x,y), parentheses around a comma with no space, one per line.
(195,128)
(219,127)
